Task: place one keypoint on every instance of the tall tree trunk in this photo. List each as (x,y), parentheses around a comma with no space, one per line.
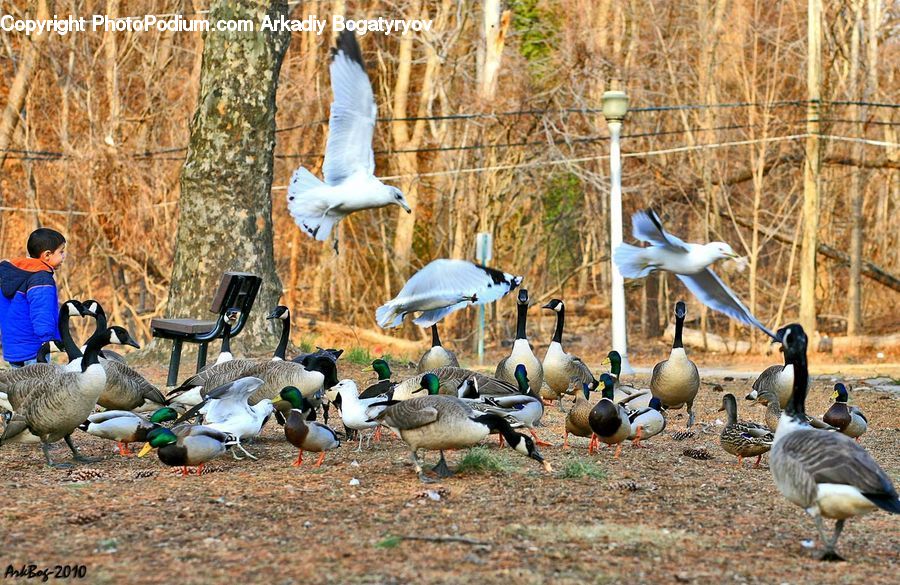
(226,204)
(854,296)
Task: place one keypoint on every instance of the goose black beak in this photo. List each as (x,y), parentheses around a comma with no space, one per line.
(133,343)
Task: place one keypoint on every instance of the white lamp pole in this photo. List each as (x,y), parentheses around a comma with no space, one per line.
(615,106)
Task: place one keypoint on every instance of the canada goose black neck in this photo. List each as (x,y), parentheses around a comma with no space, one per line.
(72,350)
(435,338)
(520,320)
(100,314)
(560,323)
(795,343)
(679,326)
(92,350)
(495,422)
(285,337)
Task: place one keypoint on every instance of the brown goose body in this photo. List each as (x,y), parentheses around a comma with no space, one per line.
(126,389)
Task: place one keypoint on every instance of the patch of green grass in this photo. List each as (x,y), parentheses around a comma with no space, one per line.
(481,459)
(307,344)
(359,356)
(577,468)
(390,541)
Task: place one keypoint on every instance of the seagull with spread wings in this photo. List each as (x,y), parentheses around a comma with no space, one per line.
(444,286)
(350,184)
(689,262)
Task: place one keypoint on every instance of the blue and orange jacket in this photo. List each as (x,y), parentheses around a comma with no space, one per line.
(29,307)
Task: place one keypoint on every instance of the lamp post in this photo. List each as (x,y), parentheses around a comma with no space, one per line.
(615,106)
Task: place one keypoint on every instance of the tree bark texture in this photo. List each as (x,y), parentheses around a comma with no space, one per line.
(226,204)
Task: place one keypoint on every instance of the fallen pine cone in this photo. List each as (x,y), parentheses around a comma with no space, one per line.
(626,486)
(83,518)
(682,435)
(193,470)
(142,473)
(86,474)
(701,454)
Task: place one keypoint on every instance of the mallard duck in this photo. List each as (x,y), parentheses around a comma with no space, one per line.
(827,474)
(523,409)
(126,427)
(187,446)
(646,422)
(563,372)
(437,356)
(776,379)
(446,422)
(384,386)
(847,419)
(577,417)
(521,352)
(676,380)
(743,438)
(608,420)
(55,402)
(769,399)
(625,393)
(450,380)
(306,435)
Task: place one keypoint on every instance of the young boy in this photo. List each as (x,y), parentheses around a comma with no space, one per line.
(29,307)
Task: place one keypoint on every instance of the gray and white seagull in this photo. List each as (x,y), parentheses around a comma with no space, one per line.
(350,184)
(689,262)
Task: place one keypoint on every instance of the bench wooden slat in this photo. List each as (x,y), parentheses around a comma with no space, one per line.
(184,326)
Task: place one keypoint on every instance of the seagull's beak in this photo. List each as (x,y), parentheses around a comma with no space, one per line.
(405,206)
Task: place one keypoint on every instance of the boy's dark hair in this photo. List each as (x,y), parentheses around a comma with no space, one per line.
(43,239)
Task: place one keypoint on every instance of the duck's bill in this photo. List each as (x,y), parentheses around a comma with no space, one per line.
(605,362)
(145,449)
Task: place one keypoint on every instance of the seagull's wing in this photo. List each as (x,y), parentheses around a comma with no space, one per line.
(353,113)
(713,293)
(647,227)
(458,277)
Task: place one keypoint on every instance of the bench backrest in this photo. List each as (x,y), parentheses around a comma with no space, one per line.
(236,290)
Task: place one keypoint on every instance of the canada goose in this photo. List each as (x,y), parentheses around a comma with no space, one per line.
(450,380)
(777,379)
(577,417)
(849,420)
(125,427)
(625,394)
(99,313)
(608,420)
(284,314)
(743,438)
(521,352)
(437,356)
(676,380)
(563,372)
(383,386)
(55,403)
(523,409)
(187,446)
(446,422)
(827,474)
(646,422)
(225,355)
(306,436)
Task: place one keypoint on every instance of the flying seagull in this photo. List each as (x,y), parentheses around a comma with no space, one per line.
(350,184)
(689,262)
(444,286)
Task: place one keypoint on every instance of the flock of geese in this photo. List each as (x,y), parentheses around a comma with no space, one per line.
(817,464)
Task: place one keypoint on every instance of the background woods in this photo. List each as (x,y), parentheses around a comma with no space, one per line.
(489,122)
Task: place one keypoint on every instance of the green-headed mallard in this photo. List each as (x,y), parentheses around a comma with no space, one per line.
(383,386)
(609,421)
(187,446)
(446,422)
(303,434)
(847,419)
(124,427)
(646,422)
(676,380)
(521,352)
(437,356)
(743,438)
(827,474)
(577,417)
(627,395)
(450,379)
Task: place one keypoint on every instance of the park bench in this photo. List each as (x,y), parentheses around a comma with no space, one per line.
(237,291)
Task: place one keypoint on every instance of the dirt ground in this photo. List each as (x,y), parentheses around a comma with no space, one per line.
(652,516)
